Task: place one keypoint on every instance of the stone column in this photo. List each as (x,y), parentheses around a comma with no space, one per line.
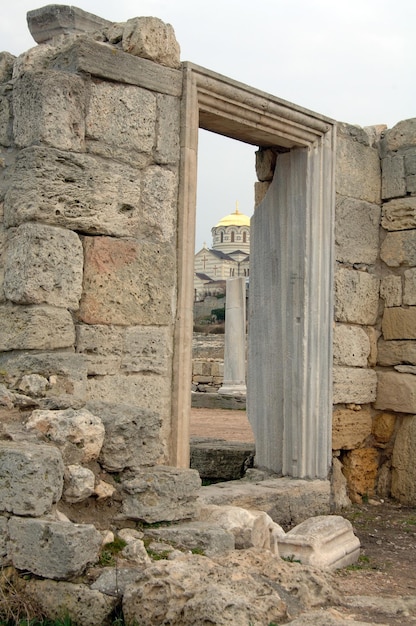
(235,339)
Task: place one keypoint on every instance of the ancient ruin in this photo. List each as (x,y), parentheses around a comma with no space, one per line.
(98,143)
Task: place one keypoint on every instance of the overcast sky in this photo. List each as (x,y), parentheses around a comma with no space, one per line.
(354,61)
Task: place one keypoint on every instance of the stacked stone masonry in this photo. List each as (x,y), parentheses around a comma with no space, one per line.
(89,176)
(90,172)
(375,312)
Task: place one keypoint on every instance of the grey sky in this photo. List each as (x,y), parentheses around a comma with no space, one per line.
(354,61)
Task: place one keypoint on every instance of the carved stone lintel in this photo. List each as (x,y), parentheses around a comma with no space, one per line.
(59,19)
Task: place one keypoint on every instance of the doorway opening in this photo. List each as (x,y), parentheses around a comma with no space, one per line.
(300,363)
(224,206)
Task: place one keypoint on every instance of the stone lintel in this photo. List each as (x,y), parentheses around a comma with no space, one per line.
(236,110)
(59,19)
(105,61)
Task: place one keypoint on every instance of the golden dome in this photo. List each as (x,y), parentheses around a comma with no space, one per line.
(234,219)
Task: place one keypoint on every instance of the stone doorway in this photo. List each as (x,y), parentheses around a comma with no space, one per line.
(292,431)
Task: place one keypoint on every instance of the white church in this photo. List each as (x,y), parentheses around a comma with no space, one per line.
(228,257)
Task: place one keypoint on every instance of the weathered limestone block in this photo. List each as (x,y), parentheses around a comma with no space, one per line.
(356,297)
(403,484)
(204,592)
(44,265)
(391,290)
(77,433)
(285,500)
(3,541)
(78,602)
(53,20)
(65,372)
(49,107)
(396,352)
(357,165)
(121,122)
(265,164)
(113,581)
(79,483)
(399,214)
(326,542)
(221,460)
(150,38)
(217,368)
(86,56)
(146,349)
(409,295)
(354,385)
(204,535)
(160,494)
(77,191)
(127,282)
(6,66)
(410,170)
(251,529)
(399,248)
(136,553)
(260,190)
(396,392)
(56,550)
(146,391)
(100,339)
(350,428)
(34,385)
(101,347)
(356,230)
(402,135)
(393,180)
(351,346)
(159,197)
(384,480)
(29,328)
(399,323)
(340,499)
(132,436)
(6,118)
(374,133)
(31,478)
(383,427)
(202,379)
(104,490)
(168,124)
(360,470)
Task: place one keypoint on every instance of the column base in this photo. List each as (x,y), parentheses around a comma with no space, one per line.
(230,389)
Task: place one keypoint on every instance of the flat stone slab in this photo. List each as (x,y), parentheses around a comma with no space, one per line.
(161,494)
(325,541)
(288,501)
(217,401)
(218,459)
(209,537)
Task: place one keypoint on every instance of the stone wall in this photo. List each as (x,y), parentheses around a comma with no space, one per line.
(375,317)
(89,177)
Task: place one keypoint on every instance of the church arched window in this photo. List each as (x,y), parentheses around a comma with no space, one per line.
(244,237)
(222,236)
(232,236)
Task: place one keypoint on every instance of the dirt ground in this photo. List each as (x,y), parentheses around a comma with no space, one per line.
(221,424)
(387,530)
